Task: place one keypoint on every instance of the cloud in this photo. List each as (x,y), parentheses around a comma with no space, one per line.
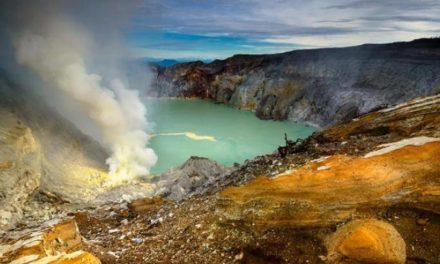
(407,5)
(327,23)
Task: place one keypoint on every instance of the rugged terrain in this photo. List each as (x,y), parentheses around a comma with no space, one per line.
(41,153)
(321,86)
(366,191)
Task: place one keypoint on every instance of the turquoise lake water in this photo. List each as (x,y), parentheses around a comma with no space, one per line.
(185,128)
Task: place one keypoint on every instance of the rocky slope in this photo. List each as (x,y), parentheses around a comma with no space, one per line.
(20,168)
(41,152)
(322,86)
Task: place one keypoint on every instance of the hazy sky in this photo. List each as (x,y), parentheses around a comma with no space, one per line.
(217,29)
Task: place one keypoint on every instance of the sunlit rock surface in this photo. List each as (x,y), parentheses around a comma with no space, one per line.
(330,191)
(57,241)
(322,86)
(366,241)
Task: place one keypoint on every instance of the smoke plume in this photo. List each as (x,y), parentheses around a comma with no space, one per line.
(60,50)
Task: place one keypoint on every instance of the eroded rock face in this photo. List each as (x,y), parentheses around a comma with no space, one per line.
(20,168)
(322,86)
(332,189)
(366,241)
(56,241)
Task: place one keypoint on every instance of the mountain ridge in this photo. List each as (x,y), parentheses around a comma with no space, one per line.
(321,86)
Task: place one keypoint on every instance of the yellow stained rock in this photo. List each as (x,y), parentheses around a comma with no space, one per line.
(53,242)
(369,241)
(77,257)
(330,191)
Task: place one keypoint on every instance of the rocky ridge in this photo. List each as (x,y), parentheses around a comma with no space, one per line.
(321,86)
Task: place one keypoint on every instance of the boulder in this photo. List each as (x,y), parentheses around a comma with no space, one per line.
(190,178)
(366,241)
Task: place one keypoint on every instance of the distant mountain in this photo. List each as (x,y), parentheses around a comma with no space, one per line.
(167,62)
(322,86)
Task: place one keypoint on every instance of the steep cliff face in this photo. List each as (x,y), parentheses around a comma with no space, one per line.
(20,167)
(322,86)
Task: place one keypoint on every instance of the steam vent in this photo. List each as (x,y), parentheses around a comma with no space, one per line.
(242,132)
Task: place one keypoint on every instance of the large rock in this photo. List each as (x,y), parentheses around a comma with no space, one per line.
(331,190)
(20,168)
(322,86)
(56,241)
(366,241)
(190,178)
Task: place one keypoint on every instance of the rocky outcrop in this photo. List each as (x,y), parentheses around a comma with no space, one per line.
(333,189)
(20,168)
(419,117)
(322,86)
(191,178)
(57,241)
(366,241)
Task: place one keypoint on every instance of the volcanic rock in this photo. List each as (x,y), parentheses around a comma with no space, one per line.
(20,168)
(73,163)
(145,205)
(420,117)
(366,241)
(77,257)
(190,178)
(53,242)
(331,190)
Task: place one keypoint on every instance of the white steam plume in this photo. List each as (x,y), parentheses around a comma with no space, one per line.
(58,55)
